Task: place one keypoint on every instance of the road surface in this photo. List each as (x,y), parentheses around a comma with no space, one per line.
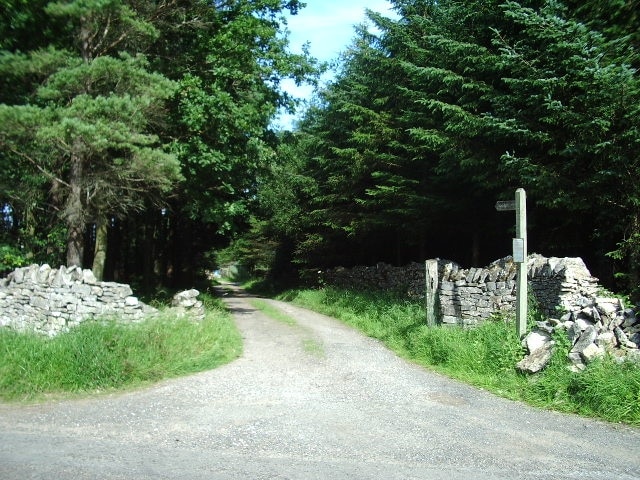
(314,400)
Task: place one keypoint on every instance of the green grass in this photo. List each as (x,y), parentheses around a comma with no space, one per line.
(310,345)
(313,347)
(272,311)
(484,356)
(106,355)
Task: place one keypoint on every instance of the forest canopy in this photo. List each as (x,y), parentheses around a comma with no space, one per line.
(138,136)
(437,114)
(132,131)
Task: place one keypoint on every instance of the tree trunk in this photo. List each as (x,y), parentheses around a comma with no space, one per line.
(100,251)
(74,211)
(148,254)
(634,258)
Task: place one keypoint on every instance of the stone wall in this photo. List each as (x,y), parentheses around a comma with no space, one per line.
(50,301)
(409,279)
(564,289)
(467,296)
(561,284)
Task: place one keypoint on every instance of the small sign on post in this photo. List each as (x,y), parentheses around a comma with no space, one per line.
(505,205)
(519,255)
(518,250)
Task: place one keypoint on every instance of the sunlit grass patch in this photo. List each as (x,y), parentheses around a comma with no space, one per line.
(108,355)
(313,347)
(272,311)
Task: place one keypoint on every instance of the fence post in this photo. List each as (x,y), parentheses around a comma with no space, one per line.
(431,293)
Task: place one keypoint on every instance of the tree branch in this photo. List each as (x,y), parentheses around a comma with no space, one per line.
(42,170)
(113,44)
(105,32)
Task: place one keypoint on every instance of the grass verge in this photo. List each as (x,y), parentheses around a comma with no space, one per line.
(272,312)
(310,345)
(106,355)
(484,356)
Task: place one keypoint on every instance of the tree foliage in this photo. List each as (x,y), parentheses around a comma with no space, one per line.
(153,118)
(454,105)
(140,123)
(86,122)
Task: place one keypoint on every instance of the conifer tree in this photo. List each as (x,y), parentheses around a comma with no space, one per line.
(456,104)
(87,122)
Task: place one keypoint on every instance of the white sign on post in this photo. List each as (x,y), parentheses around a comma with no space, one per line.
(505,205)
(518,250)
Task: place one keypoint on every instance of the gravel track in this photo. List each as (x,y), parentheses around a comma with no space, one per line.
(314,400)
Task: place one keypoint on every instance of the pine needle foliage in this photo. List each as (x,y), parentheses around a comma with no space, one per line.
(454,104)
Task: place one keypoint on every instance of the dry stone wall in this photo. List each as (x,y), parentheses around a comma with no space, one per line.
(564,289)
(409,279)
(467,296)
(50,301)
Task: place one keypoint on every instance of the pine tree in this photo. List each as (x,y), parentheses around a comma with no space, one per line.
(88,121)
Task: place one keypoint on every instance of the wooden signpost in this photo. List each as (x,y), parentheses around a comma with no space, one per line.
(519,255)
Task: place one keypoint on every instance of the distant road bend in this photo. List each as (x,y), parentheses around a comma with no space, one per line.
(314,400)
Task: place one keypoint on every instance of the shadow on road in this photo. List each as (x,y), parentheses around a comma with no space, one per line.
(225,290)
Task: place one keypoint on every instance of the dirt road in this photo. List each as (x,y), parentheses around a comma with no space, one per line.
(314,400)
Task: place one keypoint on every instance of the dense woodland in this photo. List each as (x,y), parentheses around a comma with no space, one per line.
(137,137)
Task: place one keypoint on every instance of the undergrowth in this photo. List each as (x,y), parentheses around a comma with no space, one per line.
(484,356)
(108,355)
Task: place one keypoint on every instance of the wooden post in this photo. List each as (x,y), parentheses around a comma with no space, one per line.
(519,255)
(431,293)
(521,286)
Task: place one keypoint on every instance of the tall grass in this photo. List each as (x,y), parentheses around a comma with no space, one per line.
(484,356)
(108,355)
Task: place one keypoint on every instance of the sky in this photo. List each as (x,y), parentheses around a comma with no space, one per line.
(328,26)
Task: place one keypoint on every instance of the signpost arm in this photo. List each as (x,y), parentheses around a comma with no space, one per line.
(521,287)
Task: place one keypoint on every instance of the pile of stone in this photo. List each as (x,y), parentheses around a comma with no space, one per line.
(596,327)
(187,304)
(50,301)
